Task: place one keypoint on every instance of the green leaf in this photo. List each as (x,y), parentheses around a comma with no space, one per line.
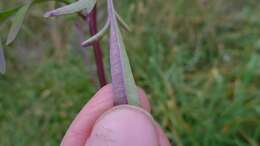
(2,58)
(123,82)
(72,8)
(96,36)
(17,23)
(122,22)
(8,13)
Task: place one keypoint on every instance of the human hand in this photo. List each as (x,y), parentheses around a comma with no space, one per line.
(99,123)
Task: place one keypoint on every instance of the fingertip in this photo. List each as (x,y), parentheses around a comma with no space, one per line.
(102,101)
(124,125)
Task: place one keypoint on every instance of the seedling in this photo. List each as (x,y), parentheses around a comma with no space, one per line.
(123,83)
(124,87)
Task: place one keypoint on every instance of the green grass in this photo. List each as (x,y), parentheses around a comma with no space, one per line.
(199,61)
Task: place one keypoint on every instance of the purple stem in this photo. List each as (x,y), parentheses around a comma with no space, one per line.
(92,22)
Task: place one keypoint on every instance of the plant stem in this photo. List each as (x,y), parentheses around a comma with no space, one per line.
(92,22)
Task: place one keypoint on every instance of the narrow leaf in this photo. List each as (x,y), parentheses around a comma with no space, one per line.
(124,86)
(8,13)
(96,36)
(17,23)
(2,59)
(72,8)
(122,22)
(4,15)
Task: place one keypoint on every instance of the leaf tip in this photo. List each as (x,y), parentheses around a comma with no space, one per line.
(8,42)
(85,44)
(49,14)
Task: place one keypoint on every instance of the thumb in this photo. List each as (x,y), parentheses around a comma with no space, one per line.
(124,126)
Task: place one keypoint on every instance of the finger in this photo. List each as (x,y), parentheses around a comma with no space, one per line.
(144,100)
(124,125)
(80,128)
(163,140)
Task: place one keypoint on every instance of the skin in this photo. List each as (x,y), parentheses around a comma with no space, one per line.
(99,123)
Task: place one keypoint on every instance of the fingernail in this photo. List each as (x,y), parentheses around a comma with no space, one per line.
(124,126)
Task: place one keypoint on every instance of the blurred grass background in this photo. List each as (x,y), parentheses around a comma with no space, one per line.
(198,60)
